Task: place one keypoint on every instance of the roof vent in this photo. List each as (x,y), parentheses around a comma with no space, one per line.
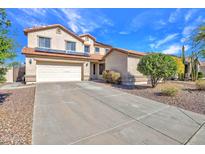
(58,31)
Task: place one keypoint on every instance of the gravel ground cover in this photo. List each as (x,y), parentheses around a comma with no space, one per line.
(16,114)
(188,98)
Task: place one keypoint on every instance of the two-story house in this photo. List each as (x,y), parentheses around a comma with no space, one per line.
(56,54)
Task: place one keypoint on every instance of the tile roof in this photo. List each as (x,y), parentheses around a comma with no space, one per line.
(89,35)
(33,51)
(34,29)
(130,52)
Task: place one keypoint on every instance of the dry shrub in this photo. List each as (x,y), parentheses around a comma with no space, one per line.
(200,84)
(111,76)
(170,90)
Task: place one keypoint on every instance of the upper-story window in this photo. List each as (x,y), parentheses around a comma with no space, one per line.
(97,49)
(70,46)
(44,42)
(87,48)
(106,50)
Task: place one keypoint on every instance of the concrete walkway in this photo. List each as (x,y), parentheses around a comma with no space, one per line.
(89,113)
(15,85)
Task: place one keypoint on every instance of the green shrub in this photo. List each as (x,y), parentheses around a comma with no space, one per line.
(111,76)
(2,75)
(200,75)
(169,91)
(200,84)
(157,66)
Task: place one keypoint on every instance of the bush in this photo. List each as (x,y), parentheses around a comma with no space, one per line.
(112,76)
(2,75)
(158,66)
(200,84)
(169,91)
(200,75)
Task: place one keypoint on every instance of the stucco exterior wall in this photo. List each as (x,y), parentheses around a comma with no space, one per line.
(9,75)
(30,70)
(117,61)
(202,69)
(31,67)
(90,42)
(58,41)
(134,76)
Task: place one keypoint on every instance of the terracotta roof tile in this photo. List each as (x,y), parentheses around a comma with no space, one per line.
(89,35)
(32,51)
(34,29)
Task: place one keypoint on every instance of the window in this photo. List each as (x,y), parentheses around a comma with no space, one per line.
(44,42)
(93,69)
(87,48)
(106,50)
(70,46)
(97,49)
(101,68)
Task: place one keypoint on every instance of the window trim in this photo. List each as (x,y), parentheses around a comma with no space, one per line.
(39,36)
(66,41)
(88,47)
(107,50)
(98,50)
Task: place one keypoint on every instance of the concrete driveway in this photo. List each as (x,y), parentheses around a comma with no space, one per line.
(89,113)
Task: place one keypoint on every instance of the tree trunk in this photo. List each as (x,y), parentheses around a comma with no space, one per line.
(153,82)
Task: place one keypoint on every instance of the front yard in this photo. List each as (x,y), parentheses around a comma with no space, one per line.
(16,115)
(188,97)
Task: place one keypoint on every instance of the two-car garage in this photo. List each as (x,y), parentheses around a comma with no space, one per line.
(58,72)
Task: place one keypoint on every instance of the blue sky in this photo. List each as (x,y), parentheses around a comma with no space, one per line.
(145,30)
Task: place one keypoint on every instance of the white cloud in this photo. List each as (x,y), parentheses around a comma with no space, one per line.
(188,30)
(189,14)
(36,12)
(173,15)
(81,21)
(174,49)
(200,19)
(151,38)
(166,39)
(27,21)
(123,33)
(152,45)
(161,22)
(78,20)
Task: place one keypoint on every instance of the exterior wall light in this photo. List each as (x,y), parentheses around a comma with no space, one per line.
(30,61)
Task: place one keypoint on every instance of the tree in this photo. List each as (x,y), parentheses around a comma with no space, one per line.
(180,68)
(6,43)
(183,54)
(182,76)
(158,66)
(198,50)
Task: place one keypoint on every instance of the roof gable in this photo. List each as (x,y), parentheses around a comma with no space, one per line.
(35,29)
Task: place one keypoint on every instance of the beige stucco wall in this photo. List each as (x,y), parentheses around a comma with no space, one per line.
(134,76)
(127,66)
(117,61)
(58,41)
(90,42)
(202,69)
(31,68)
(132,65)
(9,75)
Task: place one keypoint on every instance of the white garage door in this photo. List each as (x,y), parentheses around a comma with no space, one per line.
(58,72)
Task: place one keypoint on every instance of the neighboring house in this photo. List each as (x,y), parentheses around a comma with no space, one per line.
(55,54)
(202,68)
